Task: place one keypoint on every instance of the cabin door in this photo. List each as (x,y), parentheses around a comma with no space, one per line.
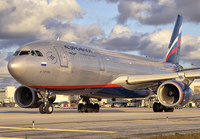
(101,62)
(62,56)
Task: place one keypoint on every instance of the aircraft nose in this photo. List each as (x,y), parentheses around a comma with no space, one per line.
(17,67)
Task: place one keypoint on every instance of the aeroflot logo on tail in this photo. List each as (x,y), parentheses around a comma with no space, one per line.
(77,48)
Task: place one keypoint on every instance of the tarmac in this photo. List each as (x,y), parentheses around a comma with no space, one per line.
(109,123)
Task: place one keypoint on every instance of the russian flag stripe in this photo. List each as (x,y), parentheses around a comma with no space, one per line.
(43,63)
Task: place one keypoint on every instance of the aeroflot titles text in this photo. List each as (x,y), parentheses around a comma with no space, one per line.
(77,48)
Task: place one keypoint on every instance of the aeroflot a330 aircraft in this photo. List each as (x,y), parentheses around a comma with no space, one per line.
(47,68)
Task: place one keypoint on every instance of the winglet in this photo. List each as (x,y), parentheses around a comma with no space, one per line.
(173,54)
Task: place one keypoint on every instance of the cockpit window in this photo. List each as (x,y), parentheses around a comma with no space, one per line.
(38,53)
(16,53)
(33,53)
(24,53)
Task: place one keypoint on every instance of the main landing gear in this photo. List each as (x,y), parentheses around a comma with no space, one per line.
(157,107)
(88,107)
(46,106)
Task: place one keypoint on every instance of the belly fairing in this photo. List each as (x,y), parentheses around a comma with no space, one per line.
(107,92)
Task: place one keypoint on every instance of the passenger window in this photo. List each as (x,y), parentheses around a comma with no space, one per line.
(16,53)
(33,53)
(38,53)
(24,53)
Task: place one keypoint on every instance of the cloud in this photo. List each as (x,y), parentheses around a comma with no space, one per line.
(72,32)
(157,12)
(16,42)
(133,9)
(23,21)
(190,48)
(151,44)
(21,18)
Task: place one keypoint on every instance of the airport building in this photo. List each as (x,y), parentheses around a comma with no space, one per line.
(7,95)
(2,95)
(195,86)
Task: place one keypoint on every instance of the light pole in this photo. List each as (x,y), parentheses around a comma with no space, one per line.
(192,64)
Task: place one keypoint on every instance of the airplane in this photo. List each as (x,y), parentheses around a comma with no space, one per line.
(47,68)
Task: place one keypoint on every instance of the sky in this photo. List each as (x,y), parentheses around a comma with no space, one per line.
(141,27)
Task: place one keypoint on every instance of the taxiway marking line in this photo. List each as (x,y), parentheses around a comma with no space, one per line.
(168,122)
(48,129)
(10,138)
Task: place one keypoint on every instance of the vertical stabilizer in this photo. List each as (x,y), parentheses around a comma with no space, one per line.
(173,54)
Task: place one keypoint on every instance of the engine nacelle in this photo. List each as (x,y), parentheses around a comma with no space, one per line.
(26,98)
(174,94)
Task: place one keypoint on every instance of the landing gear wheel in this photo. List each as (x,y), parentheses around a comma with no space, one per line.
(42,109)
(168,109)
(90,107)
(157,107)
(81,108)
(160,107)
(49,108)
(96,107)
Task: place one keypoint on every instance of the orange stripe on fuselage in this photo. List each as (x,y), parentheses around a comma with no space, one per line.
(78,86)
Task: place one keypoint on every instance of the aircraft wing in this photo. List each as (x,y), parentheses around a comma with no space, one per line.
(132,82)
(161,77)
(5,76)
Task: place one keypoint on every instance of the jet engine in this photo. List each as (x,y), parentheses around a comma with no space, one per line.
(174,94)
(26,98)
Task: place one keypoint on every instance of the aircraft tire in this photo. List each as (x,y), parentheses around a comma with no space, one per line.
(89,107)
(96,107)
(49,108)
(157,107)
(42,109)
(168,109)
(81,108)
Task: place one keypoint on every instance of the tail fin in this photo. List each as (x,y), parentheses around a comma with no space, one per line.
(173,54)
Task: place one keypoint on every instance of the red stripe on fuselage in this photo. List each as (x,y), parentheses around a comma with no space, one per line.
(77,86)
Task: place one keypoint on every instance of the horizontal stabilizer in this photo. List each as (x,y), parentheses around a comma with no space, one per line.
(190,69)
(5,76)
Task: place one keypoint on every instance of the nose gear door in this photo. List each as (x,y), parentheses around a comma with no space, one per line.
(62,56)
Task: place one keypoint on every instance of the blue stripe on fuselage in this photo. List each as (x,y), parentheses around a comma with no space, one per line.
(110,92)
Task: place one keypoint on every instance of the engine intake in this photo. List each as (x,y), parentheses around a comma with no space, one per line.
(174,94)
(26,98)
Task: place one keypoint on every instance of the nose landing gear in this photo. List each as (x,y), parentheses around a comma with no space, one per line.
(46,106)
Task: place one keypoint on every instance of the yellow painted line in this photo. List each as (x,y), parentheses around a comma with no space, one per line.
(168,122)
(48,129)
(9,138)
(152,121)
